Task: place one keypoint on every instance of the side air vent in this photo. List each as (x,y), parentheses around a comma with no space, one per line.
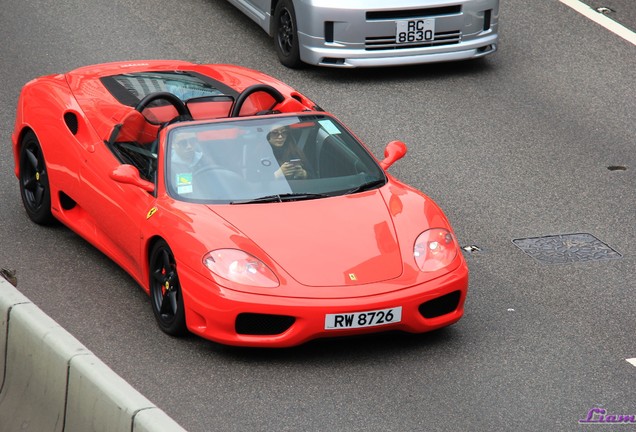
(71,122)
(328,31)
(487,19)
(67,202)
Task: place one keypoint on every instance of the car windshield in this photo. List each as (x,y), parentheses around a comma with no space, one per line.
(269,159)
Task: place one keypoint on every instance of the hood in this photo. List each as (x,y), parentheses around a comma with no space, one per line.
(344,240)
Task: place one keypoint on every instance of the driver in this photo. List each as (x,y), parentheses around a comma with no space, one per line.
(186,158)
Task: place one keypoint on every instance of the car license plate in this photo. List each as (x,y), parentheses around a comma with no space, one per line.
(363,319)
(419,30)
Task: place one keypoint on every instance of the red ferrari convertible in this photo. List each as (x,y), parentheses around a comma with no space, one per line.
(248,214)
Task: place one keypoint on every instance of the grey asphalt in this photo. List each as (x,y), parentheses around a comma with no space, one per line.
(513,147)
(621,11)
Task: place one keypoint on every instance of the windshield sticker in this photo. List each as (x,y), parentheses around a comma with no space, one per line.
(184,183)
(329,127)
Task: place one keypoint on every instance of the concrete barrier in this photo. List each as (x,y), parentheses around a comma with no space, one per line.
(33,396)
(51,382)
(8,298)
(153,420)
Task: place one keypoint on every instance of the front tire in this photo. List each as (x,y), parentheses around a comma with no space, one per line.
(165,291)
(286,34)
(34,181)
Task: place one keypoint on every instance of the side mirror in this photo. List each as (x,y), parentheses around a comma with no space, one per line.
(394,151)
(128,174)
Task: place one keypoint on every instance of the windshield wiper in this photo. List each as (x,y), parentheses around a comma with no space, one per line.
(366,186)
(281,198)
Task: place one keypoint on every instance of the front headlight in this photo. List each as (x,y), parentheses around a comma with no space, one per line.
(240,267)
(434,249)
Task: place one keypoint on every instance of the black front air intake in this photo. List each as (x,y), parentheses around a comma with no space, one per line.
(441,305)
(262,324)
(413,13)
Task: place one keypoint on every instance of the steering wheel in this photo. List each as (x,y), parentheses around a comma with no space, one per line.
(224,183)
(213,171)
(240,100)
(177,103)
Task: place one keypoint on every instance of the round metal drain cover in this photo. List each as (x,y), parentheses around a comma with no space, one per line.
(566,248)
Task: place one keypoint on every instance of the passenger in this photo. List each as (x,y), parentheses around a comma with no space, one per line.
(292,161)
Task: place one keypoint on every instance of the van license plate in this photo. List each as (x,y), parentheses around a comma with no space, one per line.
(410,31)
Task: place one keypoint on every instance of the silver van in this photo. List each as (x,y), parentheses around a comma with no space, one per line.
(369,33)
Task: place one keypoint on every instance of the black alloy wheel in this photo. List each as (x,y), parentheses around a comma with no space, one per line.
(34,181)
(165,290)
(286,34)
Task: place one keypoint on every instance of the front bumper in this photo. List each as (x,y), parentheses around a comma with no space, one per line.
(351,58)
(212,311)
(365,33)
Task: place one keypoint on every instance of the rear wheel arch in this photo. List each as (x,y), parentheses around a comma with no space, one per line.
(25,130)
(33,177)
(272,26)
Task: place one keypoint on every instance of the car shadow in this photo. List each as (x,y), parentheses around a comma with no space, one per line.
(338,349)
(401,74)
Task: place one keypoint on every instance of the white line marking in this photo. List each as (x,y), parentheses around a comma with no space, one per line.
(602,20)
(632,361)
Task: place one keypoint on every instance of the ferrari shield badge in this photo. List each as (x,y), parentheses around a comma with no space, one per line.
(353,276)
(151,212)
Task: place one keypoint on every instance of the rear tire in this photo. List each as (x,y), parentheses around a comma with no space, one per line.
(34,181)
(286,34)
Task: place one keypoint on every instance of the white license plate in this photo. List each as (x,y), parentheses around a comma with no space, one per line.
(363,319)
(420,30)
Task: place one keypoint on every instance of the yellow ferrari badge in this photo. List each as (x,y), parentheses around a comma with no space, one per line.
(353,276)
(151,212)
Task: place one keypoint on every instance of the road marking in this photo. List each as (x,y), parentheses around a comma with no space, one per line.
(601,19)
(632,361)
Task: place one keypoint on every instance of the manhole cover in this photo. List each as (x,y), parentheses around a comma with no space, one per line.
(566,248)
